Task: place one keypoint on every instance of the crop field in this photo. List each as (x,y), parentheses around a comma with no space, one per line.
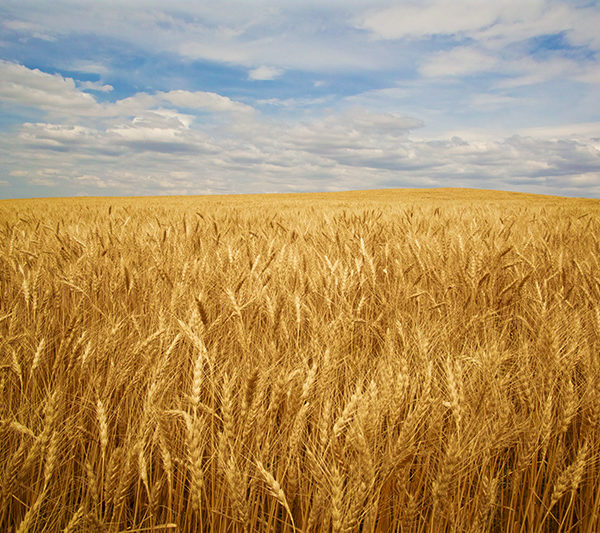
(394,361)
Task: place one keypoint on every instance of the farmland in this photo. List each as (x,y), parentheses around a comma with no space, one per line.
(402,360)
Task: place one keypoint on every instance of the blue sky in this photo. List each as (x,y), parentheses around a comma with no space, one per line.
(151,98)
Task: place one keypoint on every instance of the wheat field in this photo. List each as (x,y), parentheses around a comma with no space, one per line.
(401,360)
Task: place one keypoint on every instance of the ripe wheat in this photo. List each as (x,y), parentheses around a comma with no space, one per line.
(371,361)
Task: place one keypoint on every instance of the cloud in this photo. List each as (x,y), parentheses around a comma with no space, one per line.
(49,92)
(528,71)
(493,101)
(203,100)
(28,28)
(160,152)
(293,35)
(417,20)
(60,96)
(493,24)
(294,103)
(95,86)
(589,74)
(55,136)
(580,130)
(458,62)
(408,93)
(268,38)
(91,67)
(265,73)
(353,128)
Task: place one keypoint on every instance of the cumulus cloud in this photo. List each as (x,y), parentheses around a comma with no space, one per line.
(56,136)
(158,152)
(153,143)
(50,92)
(62,96)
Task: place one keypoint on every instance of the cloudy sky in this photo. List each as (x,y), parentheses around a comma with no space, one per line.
(139,97)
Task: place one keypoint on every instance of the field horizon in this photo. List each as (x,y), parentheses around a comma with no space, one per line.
(433,193)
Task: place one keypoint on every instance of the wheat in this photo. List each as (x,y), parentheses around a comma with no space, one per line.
(446,474)
(456,396)
(237,489)
(92,482)
(51,457)
(275,489)
(75,519)
(37,356)
(102,427)
(570,407)
(195,458)
(198,375)
(396,360)
(32,512)
(347,413)
(337,495)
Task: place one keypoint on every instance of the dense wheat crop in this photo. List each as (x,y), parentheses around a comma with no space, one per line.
(383,361)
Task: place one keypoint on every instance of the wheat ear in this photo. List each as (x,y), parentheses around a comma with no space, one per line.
(275,490)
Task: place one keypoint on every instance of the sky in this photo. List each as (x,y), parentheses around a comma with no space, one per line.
(131,97)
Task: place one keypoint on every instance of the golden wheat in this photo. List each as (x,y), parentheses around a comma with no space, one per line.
(373,361)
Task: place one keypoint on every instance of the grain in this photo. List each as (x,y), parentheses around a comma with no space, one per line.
(368,361)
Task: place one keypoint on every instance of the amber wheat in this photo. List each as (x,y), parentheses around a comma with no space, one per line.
(421,361)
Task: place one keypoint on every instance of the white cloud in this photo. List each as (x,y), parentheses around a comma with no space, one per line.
(45,182)
(50,92)
(200,141)
(95,86)
(264,73)
(493,24)
(526,71)
(147,135)
(459,61)
(30,29)
(91,67)
(589,74)
(204,100)
(307,35)
(294,103)
(55,134)
(578,24)
(268,37)
(61,96)
(580,130)
(493,101)
(162,118)
(416,20)
(159,152)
